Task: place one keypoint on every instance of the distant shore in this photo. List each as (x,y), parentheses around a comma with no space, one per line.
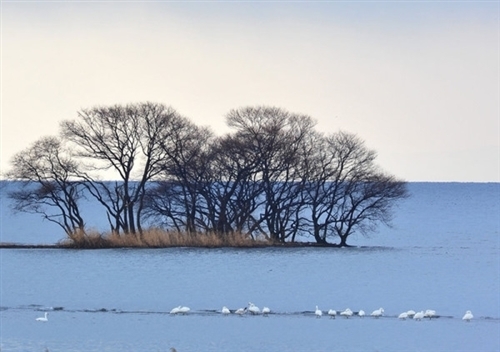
(28,246)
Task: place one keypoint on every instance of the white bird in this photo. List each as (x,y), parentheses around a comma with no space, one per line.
(176,310)
(377,313)
(419,315)
(240,311)
(403,316)
(253,309)
(318,312)
(266,311)
(184,310)
(332,313)
(225,310)
(429,313)
(468,316)
(410,313)
(361,313)
(346,313)
(44,318)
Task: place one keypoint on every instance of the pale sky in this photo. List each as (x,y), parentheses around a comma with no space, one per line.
(418,81)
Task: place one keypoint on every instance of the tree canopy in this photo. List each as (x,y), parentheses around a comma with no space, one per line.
(275,175)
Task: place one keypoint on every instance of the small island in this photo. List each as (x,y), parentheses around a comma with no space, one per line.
(163,181)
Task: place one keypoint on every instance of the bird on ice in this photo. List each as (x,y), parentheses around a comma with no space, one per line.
(180,310)
(44,318)
(377,313)
(184,310)
(266,311)
(241,311)
(176,310)
(253,309)
(419,315)
(318,312)
(346,313)
(225,310)
(468,316)
(429,313)
(332,313)
(361,313)
(403,316)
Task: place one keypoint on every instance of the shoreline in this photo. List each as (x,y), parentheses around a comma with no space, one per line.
(4,245)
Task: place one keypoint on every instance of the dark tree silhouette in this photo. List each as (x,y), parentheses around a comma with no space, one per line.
(48,173)
(276,137)
(231,192)
(176,199)
(346,191)
(274,175)
(127,140)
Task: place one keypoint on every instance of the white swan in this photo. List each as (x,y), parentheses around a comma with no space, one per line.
(176,310)
(346,313)
(241,311)
(184,310)
(44,318)
(266,311)
(361,313)
(377,313)
(419,315)
(468,316)
(429,313)
(410,313)
(332,313)
(253,309)
(318,312)
(225,310)
(403,316)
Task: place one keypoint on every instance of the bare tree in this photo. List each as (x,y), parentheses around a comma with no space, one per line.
(48,172)
(128,141)
(176,198)
(231,192)
(276,137)
(346,191)
(273,175)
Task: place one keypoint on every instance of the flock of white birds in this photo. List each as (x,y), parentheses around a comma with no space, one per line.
(347,313)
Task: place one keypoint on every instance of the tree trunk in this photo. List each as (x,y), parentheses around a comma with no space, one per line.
(317,236)
(343,241)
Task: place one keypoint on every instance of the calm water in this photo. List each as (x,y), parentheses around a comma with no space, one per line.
(443,253)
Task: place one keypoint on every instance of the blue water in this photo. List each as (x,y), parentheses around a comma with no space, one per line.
(443,253)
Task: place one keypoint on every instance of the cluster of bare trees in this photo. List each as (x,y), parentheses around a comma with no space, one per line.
(275,175)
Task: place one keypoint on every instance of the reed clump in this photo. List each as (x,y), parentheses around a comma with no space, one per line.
(86,239)
(158,238)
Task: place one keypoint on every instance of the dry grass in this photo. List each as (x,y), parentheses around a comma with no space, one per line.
(157,238)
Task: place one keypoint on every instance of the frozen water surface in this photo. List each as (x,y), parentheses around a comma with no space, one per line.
(442,254)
